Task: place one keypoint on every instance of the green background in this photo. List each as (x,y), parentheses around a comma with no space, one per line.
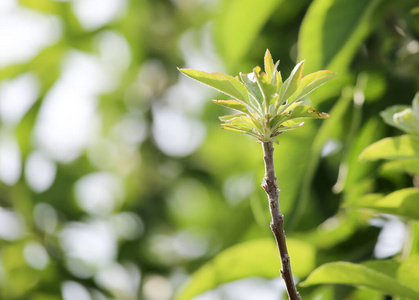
(116,181)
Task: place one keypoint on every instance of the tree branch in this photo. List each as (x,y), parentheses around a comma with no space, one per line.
(277,224)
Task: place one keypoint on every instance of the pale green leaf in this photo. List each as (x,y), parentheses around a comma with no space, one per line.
(292,83)
(250,81)
(226,84)
(253,123)
(383,276)
(307,112)
(283,109)
(230,117)
(410,166)
(312,81)
(233,104)
(401,147)
(389,112)
(269,65)
(240,128)
(404,202)
(289,125)
(249,259)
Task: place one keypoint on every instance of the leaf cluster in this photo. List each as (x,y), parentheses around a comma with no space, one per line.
(267,105)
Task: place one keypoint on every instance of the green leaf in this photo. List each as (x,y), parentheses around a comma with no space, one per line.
(292,83)
(332,32)
(226,84)
(312,81)
(383,276)
(404,202)
(240,128)
(404,146)
(230,117)
(333,231)
(307,112)
(251,83)
(289,125)
(410,166)
(283,109)
(249,259)
(403,117)
(233,104)
(389,112)
(269,64)
(268,89)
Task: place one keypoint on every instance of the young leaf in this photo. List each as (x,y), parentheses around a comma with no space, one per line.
(233,104)
(250,81)
(269,65)
(312,81)
(228,118)
(287,108)
(226,84)
(240,128)
(292,83)
(307,112)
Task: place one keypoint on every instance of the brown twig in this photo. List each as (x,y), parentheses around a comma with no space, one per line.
(271,188)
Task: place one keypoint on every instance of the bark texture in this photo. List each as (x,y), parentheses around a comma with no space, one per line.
(277,224)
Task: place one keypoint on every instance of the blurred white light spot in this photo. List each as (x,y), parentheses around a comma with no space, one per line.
(72,290)
(36,255)
(254,288)
(94,14)
(157,288)
(11,225)
(16,97)
(45,217)
(23,33)
(413,47)
(247,289)
(87,73)
(99,193)
(330,147)
(93,243)
(189,245)
(127,225)
(39,171)
(65,121)
(176,134)
(237,188)
(391,238)
(7,5)
(122,281)
(10,161)
(114,52)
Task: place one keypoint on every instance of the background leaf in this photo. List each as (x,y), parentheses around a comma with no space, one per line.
(404,202)
(400,147)
(248,259)
(377,275)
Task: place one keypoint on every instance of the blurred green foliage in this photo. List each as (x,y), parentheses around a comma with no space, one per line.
(117,183)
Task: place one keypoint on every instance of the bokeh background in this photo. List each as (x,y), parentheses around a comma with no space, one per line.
(116,181)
